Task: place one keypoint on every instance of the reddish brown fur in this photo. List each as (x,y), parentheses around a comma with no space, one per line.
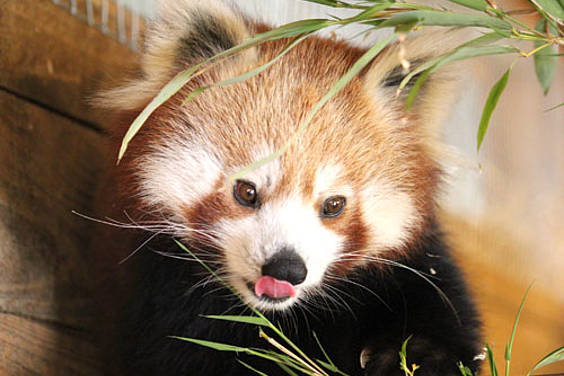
(348,130)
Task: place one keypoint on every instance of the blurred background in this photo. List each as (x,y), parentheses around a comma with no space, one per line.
(503,207)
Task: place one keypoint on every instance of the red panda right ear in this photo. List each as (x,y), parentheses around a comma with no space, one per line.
(435,97)
(184,33)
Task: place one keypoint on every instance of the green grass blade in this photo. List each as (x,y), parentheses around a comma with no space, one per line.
(480,5)
(287,369)
(466,51)
(555,356)
(545,61)
(553,8)
(442,18)
(164,94)
(491,361)
(245,76)
(465,371)
(253,320)
(251,368)
(509,346)
(182,78)
(491,102)
(337,4)
(415,89)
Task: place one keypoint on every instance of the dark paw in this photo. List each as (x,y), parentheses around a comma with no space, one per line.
(429,359)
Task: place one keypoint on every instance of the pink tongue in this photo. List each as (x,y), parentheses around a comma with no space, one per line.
(274,287)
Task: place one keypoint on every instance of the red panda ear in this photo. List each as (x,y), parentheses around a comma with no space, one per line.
(434,98)
(187,32)
(184,33)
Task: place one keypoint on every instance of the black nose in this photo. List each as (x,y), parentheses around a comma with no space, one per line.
(286,265)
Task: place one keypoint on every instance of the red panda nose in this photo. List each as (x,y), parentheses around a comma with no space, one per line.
(286,265)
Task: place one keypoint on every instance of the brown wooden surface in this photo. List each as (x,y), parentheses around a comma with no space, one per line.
(50,57)
(31,347)
(50,166)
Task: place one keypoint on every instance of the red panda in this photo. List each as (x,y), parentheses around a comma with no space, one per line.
(334,236)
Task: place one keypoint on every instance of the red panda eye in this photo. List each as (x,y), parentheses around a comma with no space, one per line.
(245,193)
(333,206)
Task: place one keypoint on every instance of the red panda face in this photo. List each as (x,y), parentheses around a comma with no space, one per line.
(357,184)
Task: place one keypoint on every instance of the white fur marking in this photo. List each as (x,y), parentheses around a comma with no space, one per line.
(288,222)
(178,174)
(389,212)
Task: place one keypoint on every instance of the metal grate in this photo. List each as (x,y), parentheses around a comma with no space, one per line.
(120,19)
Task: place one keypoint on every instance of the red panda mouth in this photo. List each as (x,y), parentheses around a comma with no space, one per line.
(273,289)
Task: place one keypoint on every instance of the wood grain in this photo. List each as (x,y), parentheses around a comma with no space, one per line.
(57,60)
(49,167)
(31,347)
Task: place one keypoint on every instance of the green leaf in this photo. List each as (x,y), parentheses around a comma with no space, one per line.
(555,356)
(466,51)
(513,331)
(553,8)
(442,18)
(480,5)
(491,361)
(545,61)
(254,320)
(327,366)
(491,102)
(182,78)
(465,371)
(415,89)
(287,369)
(251,368)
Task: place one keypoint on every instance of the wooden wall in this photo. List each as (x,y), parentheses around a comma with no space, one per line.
(52,156)
(52,146)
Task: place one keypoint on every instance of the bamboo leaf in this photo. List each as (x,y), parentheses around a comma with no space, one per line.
(254,320)
(465,371)
(491,361)
(553,8)
(513,331)
(545,61)
(287,369)
(491,102)
(555,356)
(480,5)
(165,94)
(442,18)
(182,78)
(251,368)
(466,51)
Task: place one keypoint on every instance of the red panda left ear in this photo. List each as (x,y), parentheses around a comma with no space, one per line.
(393,64)
(184,33)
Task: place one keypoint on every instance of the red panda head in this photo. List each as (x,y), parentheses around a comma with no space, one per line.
(358,183)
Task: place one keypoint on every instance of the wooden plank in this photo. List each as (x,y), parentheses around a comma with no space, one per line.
(50,166)
(56,59)
(29,347)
